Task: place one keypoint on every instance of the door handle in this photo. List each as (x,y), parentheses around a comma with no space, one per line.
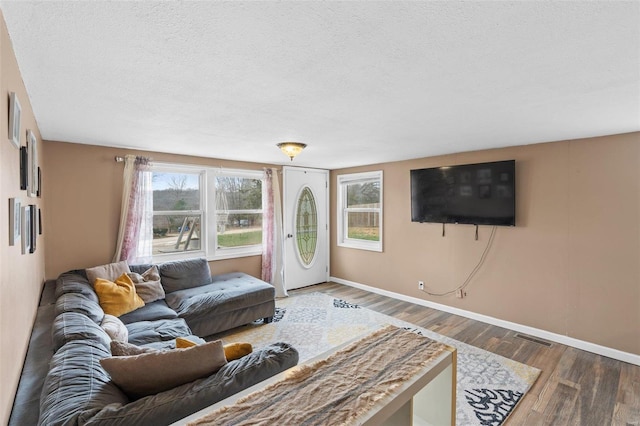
(289,235)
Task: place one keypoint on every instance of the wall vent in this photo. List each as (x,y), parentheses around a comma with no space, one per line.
(534,340)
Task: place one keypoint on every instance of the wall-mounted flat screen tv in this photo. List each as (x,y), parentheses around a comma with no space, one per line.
(477,194)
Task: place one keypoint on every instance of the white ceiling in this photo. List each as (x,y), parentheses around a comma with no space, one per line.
(359,82)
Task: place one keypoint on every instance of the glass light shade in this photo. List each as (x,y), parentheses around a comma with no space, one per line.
(291,149)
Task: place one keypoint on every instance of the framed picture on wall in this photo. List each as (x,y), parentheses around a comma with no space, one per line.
(15,213)
(26,229)
(33,210)
(32,165)
(23,167)
(39,192)
(14,119)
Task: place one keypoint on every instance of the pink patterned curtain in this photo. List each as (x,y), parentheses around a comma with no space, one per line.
(272,265)
(267,226)
(135,233)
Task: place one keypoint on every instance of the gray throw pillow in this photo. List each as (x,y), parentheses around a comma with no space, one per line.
(148,285)
(155,372)
(109,272)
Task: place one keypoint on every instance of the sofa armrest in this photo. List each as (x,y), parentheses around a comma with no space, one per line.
(175,404)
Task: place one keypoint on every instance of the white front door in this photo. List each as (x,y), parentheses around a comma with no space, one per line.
(306,226)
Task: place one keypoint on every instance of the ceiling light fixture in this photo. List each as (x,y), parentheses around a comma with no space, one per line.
(291,149)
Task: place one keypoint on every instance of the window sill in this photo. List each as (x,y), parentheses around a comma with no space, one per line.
(220,255)
(235,255)
(362,246)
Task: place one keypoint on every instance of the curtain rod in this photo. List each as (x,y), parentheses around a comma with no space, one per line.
(120,159)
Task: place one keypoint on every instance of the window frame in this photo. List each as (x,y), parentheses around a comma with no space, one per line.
(207,181)
(186,169)
(217,253)
(343,181)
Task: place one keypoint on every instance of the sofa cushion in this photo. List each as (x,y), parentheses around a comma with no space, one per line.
(75,282)
(117,297)
(154,372)
(77,385)
(175,404)
(115,328)
(150,312)
(77,302)
(143,332)
(148,285)
(183,274)
(109,271)
(70,326)
(237,292)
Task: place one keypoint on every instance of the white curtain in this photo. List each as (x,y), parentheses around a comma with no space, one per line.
(272,239)
(135,235)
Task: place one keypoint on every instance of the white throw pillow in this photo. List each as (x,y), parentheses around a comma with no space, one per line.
(115,328)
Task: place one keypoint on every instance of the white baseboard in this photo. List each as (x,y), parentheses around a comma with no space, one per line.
(558,338)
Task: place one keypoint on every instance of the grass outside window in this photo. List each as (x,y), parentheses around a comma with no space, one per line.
(240,239)
(367,234)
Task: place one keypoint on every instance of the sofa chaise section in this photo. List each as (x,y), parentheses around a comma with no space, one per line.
(230,300)
(211,304)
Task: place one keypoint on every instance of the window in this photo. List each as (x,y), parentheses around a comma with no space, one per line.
(360,211)
(215,213)
(238,213)
(306,227)
(177,211)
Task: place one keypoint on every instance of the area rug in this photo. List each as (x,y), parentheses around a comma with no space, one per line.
(488,385)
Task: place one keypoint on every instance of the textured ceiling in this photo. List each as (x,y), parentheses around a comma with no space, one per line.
(359,82)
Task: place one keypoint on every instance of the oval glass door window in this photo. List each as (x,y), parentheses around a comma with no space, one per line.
(306,226)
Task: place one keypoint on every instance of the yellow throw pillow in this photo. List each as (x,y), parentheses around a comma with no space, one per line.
(236,350)
(182,343)
(231,350)
(119,297)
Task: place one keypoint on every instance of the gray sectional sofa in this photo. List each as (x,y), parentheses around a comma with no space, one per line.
(77,390)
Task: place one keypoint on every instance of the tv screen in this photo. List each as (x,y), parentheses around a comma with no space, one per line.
(477,194)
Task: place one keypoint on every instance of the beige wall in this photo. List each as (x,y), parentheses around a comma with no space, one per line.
(571,265)
(84,194)
(21,276)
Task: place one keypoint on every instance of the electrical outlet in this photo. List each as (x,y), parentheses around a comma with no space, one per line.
(421,285)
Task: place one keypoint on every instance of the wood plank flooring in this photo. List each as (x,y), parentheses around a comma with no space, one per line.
(574,388)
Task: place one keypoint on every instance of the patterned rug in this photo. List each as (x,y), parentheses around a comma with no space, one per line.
(489,386)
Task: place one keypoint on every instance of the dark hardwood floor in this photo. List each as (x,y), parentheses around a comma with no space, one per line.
(574,387)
